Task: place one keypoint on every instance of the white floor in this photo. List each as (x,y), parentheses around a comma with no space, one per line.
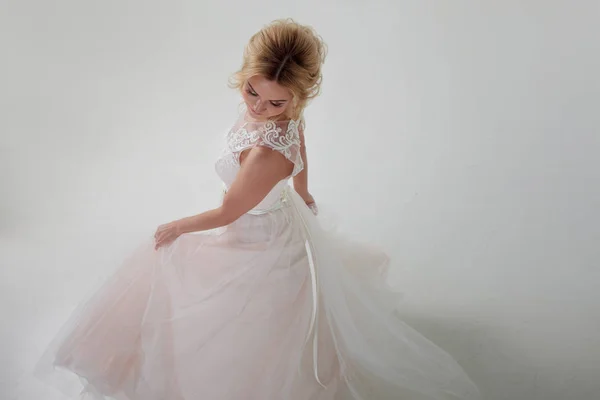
(462,136)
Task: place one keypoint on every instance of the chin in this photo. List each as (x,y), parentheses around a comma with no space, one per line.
(255,115)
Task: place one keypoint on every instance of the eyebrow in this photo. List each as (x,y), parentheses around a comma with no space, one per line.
(274,101)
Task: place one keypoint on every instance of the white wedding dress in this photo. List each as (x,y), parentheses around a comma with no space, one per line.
(271,307)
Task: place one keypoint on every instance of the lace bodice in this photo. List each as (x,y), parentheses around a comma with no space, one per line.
(281,136)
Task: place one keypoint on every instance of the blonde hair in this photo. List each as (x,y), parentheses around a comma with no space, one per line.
(287,53)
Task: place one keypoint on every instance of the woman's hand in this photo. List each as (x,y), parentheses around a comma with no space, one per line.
(310,202)
(166,234)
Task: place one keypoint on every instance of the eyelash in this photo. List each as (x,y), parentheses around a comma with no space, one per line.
(251,93)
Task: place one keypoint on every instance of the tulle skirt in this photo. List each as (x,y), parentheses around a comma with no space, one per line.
(271,307)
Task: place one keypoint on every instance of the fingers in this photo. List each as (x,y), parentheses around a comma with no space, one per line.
(159,237)
(163,237)
(162,240)
(157,240)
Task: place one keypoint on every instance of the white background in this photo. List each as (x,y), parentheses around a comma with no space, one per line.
(463,136)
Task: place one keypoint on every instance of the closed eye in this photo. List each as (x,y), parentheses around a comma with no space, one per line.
(274,103)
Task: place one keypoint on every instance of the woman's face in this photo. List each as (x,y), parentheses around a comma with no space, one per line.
(265,99)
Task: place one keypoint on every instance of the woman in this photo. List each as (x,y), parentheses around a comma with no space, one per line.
(268,306)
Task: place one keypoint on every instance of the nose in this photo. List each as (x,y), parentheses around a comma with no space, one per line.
(259,106)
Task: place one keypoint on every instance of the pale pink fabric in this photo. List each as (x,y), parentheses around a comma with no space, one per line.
(227,315)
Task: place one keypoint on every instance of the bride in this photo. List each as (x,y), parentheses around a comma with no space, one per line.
(264,304)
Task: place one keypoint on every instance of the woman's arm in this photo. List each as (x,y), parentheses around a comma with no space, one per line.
(262,168)
(301,179)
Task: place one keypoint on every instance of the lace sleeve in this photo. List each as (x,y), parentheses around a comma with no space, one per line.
(284,138)
(281,136)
